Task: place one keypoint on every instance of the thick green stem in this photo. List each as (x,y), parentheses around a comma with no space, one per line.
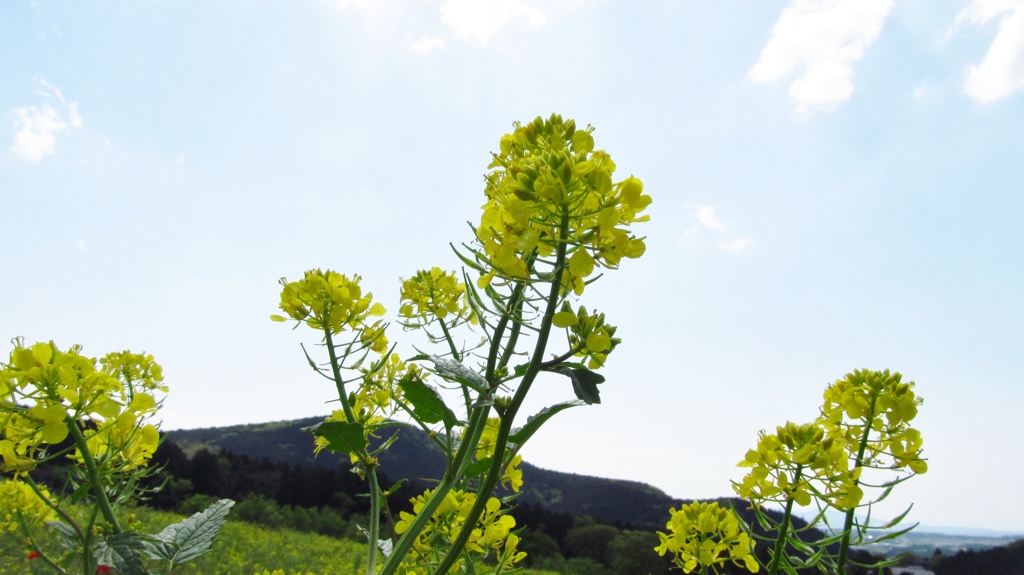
(94,477)
(477,421)
(374,532)
(844,545)
(488,484)
(780,541)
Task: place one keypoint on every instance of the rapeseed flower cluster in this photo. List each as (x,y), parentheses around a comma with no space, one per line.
(44,391)
(19,503)
(797,463)
(589,335)
(328,300)
(880,403)
(493,532)
(705,536)
(433,294)
(547,171)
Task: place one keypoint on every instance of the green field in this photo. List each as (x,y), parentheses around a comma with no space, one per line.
(242,549)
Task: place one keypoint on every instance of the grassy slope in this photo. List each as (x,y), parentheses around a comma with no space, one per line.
(243,549)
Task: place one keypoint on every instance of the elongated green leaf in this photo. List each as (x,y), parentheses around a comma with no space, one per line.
(584,383)
(894,534)
(533,423)
(190,538)
(896,520)
(455,371)
(426,402)
(469,263)
(342,436)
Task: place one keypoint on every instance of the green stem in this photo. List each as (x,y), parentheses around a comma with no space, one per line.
(477,421)
(494,473)
(516,304)
(374,531)
(35,546)
(94,477)
(780,541)
(338,382)
(455,355)
(451,342)
(55,507)
(844,545)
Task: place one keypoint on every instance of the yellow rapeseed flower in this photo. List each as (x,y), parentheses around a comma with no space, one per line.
(704,535)
(545,170)
(333,301)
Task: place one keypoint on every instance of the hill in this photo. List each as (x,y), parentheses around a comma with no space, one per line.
(415,457)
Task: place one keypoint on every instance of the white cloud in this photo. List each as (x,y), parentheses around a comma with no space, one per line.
(36,132)
(427,44)
(1001,71)
(480,22)
(81,245)
(36,128)
(734,246)
(483,20)
(821,40)
(706,216)
(707,219)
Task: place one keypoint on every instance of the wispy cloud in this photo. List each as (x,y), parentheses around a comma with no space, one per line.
(426,44)
(708,221)
(479,22)
(735,245)
(484,20)
(820,40)
(707,217)
(36,128)
(1001,71)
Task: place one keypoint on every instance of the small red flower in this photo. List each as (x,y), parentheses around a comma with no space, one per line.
(103,570)
(33,555)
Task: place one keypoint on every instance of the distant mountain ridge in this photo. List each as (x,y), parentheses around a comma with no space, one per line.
(416,457)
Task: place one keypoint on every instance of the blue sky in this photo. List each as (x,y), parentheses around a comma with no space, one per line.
(836,185)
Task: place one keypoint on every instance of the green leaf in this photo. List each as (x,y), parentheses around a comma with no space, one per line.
(896,520)
(122,552)
(455,371)
(80,492)
(469,263)
(67,535)
(520,435)
(894,534)
(584,383)
(342,436)
(426,402)
(190,538)
(477,467)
